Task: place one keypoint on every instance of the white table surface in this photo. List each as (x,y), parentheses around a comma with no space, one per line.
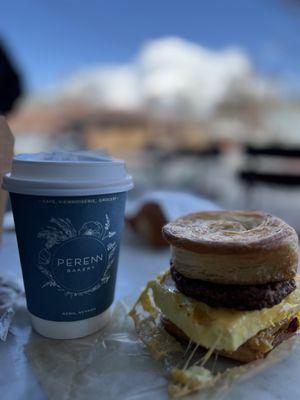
(137,265)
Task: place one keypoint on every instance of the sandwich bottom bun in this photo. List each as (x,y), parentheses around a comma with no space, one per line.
(256,347)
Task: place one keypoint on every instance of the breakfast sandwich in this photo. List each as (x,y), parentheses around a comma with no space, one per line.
(232,286)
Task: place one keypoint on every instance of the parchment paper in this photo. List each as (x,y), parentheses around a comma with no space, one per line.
(111,364)
(115,364)
(10,291)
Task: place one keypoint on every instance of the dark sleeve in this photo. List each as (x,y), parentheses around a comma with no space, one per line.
(10,83)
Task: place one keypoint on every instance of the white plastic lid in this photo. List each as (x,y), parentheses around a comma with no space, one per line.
(79,173)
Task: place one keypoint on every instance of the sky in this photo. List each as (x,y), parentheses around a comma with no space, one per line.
(50,40)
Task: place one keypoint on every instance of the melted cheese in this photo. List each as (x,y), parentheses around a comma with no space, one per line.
(184,381)
(227,329)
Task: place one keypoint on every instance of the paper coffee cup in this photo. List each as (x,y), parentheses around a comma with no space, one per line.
(69,211)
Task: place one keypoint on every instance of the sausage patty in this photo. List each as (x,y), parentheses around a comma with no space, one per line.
(238,297)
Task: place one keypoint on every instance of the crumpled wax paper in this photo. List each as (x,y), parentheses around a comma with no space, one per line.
(115,363)
(10,291)
(110,364)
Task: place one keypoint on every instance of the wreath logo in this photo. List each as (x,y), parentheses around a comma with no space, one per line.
(61,231)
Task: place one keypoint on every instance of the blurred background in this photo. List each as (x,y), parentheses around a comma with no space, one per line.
(197,96)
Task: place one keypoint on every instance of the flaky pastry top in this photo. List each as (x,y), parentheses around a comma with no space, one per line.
(228,231)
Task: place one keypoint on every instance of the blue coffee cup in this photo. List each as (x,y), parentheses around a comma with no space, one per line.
(69,211)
